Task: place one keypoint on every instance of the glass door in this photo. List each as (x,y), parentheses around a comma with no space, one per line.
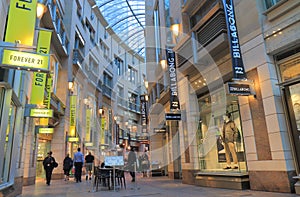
(292,94)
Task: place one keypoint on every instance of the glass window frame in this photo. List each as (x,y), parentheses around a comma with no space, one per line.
(209,129)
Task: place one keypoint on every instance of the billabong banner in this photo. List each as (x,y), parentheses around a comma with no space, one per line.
(143,109)
(174,101)
(21,21)
(236,54)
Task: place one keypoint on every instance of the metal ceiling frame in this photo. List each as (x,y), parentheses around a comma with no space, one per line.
(117,17)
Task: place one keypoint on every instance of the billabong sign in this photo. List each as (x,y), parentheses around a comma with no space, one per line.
(236,55)
(174,101)
(160,130)
(173,116)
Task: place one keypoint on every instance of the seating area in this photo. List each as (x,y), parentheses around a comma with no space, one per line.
(109,178)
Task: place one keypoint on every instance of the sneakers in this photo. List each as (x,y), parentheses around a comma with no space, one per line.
(227,167)
(235,167)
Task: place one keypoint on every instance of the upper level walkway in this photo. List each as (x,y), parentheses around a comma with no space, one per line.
(155,186)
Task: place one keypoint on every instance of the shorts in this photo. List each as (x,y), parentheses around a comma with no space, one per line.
(88,166)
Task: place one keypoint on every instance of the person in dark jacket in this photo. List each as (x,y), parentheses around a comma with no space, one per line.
(68,164)
(132,163)
(49,164)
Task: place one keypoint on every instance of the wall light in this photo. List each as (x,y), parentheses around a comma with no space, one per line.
(100,111)
(41,9)
(163,64)
(71,85)
(175,29)
(146,84)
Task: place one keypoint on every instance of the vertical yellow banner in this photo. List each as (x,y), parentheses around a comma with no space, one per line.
(39,79)
(38,87)
(43,47)
(44,41)
(102,131)
(47,98)
(21,21)
(88,114)
(72,131)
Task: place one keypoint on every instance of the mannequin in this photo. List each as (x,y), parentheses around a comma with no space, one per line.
(229,137)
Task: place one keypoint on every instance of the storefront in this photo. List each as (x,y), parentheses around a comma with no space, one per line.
(10,113)
(289,71)
(210,136)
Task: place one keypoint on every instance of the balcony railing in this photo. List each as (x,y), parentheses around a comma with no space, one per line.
(107,90)
(77,57)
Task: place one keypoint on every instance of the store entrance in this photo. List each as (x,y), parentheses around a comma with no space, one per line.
(292,96)
(43,147)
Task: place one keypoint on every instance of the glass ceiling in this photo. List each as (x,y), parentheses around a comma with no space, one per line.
(127,19)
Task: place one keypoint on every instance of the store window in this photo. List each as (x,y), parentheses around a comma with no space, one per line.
(271,3)
(6,157)
(217,150)
(290,70)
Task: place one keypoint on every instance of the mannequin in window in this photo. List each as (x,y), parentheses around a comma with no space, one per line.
(230,134)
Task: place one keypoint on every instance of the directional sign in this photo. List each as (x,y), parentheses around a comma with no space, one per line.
(41,113)
(173,116)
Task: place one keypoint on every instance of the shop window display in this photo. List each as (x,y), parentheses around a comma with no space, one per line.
(219,135)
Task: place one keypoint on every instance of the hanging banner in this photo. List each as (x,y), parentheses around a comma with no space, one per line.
(44,41)
(88,114)
(174,101)
(73,100)
(37,88)
(47,98)
(43,47)
(236,54)
(21,22)
(102,131)
(144,109)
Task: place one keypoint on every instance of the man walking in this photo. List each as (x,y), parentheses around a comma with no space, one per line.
(78,163)
(49,164)
(89,160)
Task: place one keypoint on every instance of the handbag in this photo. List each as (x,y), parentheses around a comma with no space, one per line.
(220,146)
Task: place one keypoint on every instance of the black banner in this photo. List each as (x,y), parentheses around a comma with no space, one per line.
(174,101)
(144,117)
(236,54)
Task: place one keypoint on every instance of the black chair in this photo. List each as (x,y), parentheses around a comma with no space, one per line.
(103,177)
(120,178)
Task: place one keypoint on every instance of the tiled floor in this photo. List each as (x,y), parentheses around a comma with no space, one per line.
(152,187)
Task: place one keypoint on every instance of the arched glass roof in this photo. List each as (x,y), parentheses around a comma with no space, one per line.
(127,19)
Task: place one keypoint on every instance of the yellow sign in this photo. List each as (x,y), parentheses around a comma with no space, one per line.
(46,130)
(102,130)
(44,41)
(24,60)
(89,144)
(37,88)
(88,114)
(43,47)
(21,21)
(41,113)
(47,99)
(73,139)
(73,99)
